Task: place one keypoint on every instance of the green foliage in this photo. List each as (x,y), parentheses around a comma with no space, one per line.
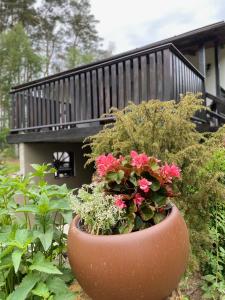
(157,128)
(76,57)
(32,238)
(214,267)
(18,63)
(15,11)
(97,210)
(165,130)
(41,37)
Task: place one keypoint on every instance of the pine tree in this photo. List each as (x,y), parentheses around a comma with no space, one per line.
(17,11)
(19,63)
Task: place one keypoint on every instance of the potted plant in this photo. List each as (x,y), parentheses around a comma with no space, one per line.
(128,241)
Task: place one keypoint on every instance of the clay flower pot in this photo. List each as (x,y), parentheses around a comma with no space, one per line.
(147,264)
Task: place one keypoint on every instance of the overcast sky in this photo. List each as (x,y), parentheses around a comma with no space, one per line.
(130,24)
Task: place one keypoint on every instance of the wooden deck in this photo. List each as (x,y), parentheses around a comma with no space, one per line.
(86,93)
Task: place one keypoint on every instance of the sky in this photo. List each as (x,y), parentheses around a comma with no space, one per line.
(129,24)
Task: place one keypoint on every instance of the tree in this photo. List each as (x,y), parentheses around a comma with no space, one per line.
(19,63)
(75,56)
(81,29)
(17,11)
(66,35)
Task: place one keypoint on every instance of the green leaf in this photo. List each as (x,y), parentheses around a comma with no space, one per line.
(158,217)
(139,224)
(68,216)
(46,238)
(132,208)
(25,287)
(209,278)
(57,286)
(154,166)
(59,205)
(6,251)
(146,212)
(116,176)
(129,225)
(160,200)
(155,186)
(23,237)
(41,264)
(43,204)
(41,290)
(133,180)
(16,259)
(28,209)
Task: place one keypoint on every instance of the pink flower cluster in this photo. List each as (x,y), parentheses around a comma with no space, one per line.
(138,199)
(168,172)
(144,184)
(119,201)
(139,160)
(133,184)
(107,163)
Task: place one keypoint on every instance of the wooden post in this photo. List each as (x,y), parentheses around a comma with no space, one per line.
(202,60)
(217,67)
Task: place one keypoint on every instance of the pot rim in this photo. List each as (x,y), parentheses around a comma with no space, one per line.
(164,223)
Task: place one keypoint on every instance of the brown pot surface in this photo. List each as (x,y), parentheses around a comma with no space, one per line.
(147,264)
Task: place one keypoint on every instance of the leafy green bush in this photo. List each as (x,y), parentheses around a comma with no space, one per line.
(32,239)
(157,128)
(214,267)
(165,130)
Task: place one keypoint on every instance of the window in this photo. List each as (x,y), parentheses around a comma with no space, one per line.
(63,162)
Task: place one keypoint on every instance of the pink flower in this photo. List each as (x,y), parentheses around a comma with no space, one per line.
(139,160)
(138,199)
(170,171)
(144,184)
(119,202)
(107,163)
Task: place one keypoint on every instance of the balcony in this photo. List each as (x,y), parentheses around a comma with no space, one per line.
(79,97)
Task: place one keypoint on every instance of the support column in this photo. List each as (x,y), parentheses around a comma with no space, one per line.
(202,60)
(217,67)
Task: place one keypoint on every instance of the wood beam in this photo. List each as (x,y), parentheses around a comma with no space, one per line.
(71,135)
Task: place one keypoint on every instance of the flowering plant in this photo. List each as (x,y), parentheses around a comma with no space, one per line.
(140,186)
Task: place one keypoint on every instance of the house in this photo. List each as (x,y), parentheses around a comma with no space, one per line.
(51,116)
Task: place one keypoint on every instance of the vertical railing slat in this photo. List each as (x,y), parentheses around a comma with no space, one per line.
(144,78)
(152,76)
(88,87)
(120,85)
(128,82)
(159,75)
(100,92)
(107,89)
(136,80)
(72,98)
(94,94)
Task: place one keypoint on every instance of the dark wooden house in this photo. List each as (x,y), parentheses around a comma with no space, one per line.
(51,116)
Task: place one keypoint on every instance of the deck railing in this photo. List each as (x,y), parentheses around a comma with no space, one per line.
(87,92)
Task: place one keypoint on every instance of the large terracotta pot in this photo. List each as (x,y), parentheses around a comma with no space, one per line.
(147,264)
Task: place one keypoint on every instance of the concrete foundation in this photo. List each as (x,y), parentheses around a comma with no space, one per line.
(39,153)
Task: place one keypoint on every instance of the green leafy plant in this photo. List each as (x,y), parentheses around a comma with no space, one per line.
(137,184)
(166,130)
(214,268)
(96,209)
(32,239)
